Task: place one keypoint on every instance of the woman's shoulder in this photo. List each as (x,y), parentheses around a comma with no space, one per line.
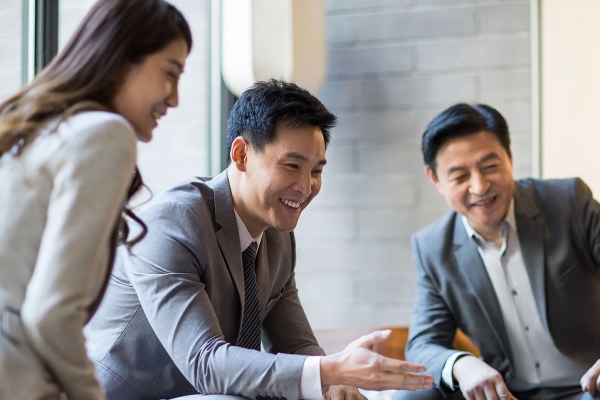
(97,122)
(98,128)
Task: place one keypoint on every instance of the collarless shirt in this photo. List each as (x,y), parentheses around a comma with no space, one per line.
(536,360)
(310,377)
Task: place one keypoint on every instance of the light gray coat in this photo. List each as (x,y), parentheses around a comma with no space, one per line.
(173,309)
(59,204)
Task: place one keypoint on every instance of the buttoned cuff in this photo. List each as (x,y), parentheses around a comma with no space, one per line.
(448,367)
(310,379)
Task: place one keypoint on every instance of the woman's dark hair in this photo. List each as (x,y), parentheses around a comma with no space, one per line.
(85,74)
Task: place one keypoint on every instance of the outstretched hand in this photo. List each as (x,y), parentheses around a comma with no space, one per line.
(361,366)
(590,381)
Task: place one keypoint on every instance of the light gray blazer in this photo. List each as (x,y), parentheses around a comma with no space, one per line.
(59,204)
(558,224)
(173,308)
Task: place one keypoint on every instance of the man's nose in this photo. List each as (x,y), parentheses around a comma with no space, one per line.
(479,184)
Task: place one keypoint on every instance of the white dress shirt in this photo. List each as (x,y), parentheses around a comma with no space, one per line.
(310,378)
(536,360)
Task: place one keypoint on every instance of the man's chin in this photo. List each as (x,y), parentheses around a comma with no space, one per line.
(286,226)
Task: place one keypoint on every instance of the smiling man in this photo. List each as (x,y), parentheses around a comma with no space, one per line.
(186,311)
(515,265)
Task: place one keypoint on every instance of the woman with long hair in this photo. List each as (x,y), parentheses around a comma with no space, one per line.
(67,169)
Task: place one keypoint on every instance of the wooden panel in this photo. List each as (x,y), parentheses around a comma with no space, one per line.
(333,341)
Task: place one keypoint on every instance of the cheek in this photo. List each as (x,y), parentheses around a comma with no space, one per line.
(316,187)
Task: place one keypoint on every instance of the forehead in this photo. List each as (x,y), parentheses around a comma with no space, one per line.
(469,147)
(307,138)
(175,52)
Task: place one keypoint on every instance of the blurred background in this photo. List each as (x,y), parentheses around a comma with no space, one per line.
(391,65)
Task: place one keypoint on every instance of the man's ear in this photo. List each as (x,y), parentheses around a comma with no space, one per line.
(239,152)
(432,177)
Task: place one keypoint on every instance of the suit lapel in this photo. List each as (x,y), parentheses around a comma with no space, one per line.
(262,273)
(227,231)
(469,261)
(530,226)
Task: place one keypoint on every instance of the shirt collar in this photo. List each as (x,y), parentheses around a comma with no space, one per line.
(244,233)
(509,219)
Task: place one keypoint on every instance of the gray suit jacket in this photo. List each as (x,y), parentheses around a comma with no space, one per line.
(173,308)
(558,224)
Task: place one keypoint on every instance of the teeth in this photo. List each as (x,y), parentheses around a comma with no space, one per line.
(483,203)
(290,203)
(156,115)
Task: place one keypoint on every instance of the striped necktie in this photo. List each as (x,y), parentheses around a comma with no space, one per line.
(250,332)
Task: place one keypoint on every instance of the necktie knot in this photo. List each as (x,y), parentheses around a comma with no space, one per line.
(249,255)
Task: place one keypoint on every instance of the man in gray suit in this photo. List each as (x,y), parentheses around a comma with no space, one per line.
(516,266)
(184,311)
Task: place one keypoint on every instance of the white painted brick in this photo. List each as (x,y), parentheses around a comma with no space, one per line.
(448,2)
(337,287)
(340,29)
(323,317)
(316,225)
(366,190)
(357,258)
(518,117)
(391,124)
(432,204)
(340,157)
(370,60)
(522,172)
(354,4)
(388,223)
(6,4)
(10,23)
(10,53)
(424,115)
(475,53)
(415,24)
(389,157)
(386,291)
(505,18)
(521,152)
(338,95)
(10,81)
(412,92)
(505,85)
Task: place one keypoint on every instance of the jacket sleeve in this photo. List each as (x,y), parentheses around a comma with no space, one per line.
(587,215)
(166,271)
(286,328)
(432,327)
(91,173)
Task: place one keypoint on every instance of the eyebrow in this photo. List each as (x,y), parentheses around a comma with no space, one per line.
(490,156)
(298,156)
(177,64)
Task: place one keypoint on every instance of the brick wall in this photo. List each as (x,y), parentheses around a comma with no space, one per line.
(393,65)
(10,47)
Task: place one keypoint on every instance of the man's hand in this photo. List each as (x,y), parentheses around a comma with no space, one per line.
(342,392)
(479,381)
(589,381)
(359,365)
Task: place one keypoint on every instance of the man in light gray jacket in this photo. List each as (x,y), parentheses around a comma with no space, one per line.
(185,313)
